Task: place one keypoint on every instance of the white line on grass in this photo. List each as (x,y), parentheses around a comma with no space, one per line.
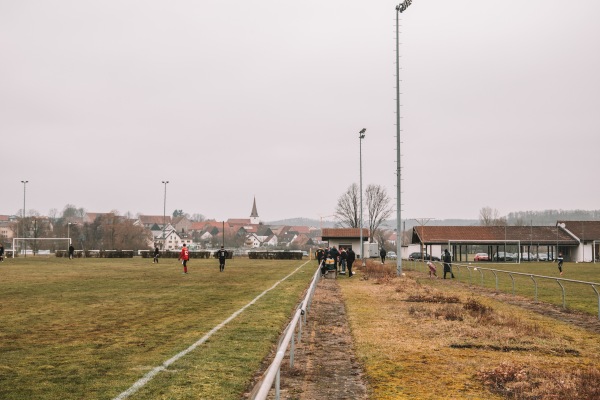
(148,377)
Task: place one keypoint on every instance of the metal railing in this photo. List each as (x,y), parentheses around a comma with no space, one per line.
(272,376)
(472,269)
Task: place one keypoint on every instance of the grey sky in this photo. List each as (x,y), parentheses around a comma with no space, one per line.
(100,101)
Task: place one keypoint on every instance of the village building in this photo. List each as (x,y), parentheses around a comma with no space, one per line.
(578,241)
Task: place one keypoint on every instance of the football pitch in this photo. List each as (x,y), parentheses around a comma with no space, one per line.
(92,328)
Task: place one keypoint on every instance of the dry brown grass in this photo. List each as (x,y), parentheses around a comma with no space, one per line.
(523,382)
(430,339)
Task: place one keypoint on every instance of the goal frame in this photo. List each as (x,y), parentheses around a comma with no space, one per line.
(17,239)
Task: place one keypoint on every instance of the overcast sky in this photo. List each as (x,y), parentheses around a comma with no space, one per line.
(101,101)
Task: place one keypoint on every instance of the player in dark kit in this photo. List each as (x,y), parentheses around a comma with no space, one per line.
(222,254)
(156,254)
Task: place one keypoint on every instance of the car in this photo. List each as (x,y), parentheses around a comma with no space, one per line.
(502,256)
(544,257)
(391,255)
(419,256)
(482,257)
(528,257)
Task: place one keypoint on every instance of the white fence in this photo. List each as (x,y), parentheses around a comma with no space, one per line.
(477,270)
(272,376)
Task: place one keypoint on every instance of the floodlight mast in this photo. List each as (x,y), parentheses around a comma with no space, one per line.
(361,136)
(399,233)
(23,219)
(164,215)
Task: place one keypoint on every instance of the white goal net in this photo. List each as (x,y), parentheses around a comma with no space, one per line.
(39,246)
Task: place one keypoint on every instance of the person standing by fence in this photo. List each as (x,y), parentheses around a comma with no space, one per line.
(71,251)
(447,263)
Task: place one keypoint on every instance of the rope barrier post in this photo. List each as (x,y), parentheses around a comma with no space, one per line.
(563,293)
(513,283)
(536,287)
(597,294)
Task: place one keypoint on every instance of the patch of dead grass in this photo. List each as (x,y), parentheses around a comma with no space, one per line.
(406,331)
(526,382)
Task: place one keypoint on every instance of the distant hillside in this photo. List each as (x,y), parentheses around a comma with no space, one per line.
(302,222)
(537,218)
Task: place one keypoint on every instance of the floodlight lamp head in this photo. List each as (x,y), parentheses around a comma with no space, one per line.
(362,133)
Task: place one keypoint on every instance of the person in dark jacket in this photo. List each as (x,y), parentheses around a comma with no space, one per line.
(1,253)
(156,254)
(343,260)
(320,255)
(351,257)
(382,254)
(222,254)
(334,253)
(447,258)
(71,251)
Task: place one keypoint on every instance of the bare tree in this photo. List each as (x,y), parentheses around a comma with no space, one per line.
(347,209)
(489,216)
(378,207)
(380,237)
(198,217)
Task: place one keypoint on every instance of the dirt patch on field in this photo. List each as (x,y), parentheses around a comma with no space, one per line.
(325,366)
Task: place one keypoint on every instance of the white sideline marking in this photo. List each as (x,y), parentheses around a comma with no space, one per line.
(148,377)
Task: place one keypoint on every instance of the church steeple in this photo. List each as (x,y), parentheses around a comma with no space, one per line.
(254,214)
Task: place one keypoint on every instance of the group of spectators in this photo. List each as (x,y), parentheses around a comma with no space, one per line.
(342,258)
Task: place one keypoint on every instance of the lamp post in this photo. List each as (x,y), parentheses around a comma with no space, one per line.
(361,136)
(23,219)
(164,214)
(399,9)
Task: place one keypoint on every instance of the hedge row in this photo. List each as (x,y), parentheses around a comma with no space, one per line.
(275,255)
(175,254)
(97,253)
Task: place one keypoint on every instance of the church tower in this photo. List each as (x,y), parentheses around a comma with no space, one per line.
(254,214)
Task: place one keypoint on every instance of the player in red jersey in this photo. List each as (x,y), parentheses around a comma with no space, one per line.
(184,256)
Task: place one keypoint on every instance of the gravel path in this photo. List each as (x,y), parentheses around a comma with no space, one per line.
(325,366)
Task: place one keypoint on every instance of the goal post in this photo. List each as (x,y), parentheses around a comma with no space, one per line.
(25,240)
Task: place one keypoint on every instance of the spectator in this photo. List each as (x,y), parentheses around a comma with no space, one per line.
(350,260)
(447,258)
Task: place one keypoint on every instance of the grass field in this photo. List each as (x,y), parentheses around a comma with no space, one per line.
(577,296)
(90,328)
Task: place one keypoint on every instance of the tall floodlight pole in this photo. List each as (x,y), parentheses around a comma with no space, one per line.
(399,233)
(23,219)
(164,214)
(361,136)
